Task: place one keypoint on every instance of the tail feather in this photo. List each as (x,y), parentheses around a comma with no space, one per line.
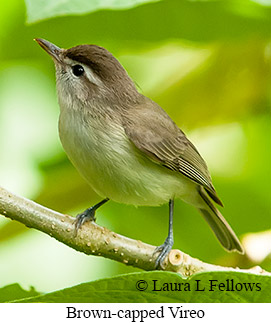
(219,225)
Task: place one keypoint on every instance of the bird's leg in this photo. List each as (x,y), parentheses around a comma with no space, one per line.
(87,215)
(167,245)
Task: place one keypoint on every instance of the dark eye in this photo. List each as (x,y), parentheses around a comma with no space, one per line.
(78,70)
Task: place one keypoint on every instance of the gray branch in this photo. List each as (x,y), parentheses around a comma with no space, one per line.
(93,239)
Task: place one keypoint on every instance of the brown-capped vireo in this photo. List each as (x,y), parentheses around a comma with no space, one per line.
(125,145)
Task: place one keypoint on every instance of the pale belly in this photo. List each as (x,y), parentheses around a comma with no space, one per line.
(116,169)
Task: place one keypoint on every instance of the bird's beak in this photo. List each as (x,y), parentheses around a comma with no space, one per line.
(50,48)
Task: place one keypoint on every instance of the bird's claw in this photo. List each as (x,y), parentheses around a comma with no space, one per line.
(164,250)
(87,215)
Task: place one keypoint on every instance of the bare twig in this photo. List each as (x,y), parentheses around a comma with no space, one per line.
(96,240)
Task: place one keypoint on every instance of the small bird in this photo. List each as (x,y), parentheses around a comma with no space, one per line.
(125,145)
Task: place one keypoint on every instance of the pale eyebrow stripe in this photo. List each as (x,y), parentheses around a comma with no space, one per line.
(92,77)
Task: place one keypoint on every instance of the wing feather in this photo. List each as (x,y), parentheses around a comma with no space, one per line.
(153,132)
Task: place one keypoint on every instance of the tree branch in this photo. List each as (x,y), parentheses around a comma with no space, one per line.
(96,240)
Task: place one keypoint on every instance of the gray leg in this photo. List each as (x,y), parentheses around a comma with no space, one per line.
(167,245)
(87,215)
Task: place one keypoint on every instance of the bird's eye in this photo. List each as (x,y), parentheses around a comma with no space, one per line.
(78,70)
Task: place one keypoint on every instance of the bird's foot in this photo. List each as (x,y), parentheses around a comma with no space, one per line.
(164,250)
(87,215)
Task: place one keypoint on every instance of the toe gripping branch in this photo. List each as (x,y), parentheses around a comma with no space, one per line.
(165,248)
(87,215)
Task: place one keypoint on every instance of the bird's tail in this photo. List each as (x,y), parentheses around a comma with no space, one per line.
(219,225)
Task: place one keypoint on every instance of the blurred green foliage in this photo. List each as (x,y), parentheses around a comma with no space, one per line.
(207,63)
(39,10)
(15,292)
(119,289)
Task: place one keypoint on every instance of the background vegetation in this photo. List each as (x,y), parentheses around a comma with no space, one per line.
(207,63)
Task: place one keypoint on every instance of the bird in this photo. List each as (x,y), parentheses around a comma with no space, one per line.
(126,146)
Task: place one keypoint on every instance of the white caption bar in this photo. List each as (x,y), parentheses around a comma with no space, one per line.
(129,312)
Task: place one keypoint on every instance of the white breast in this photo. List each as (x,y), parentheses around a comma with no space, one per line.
(100,150)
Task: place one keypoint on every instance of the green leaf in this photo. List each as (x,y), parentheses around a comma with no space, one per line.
(204,287)
(15,292)
(40,9)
